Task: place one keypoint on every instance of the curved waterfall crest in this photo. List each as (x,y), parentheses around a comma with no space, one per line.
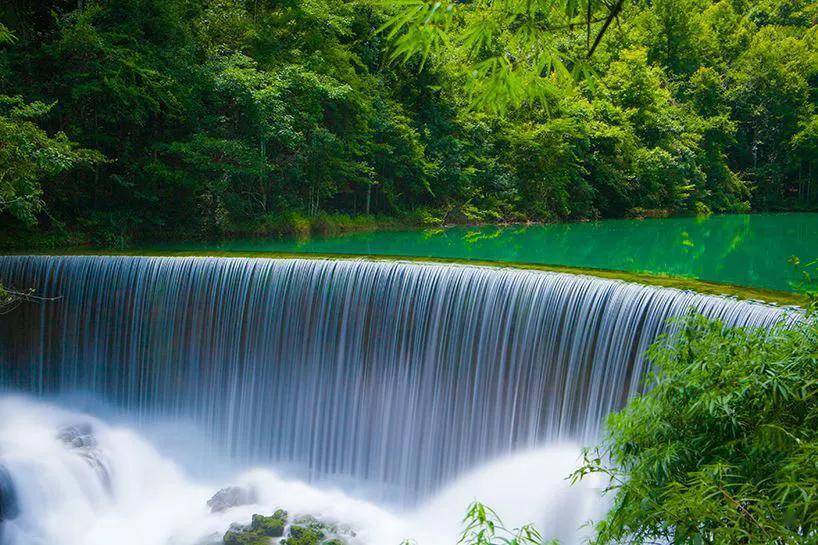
(403,374)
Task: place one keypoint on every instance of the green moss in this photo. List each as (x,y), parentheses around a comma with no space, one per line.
(304,535)
(298,225)
(237,537)
(269,526)
(677,282)
(260,531)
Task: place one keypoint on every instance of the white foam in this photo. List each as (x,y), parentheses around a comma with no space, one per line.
(152,501)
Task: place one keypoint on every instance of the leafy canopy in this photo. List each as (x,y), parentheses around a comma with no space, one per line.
(28,154)
(242,117)
(509,52)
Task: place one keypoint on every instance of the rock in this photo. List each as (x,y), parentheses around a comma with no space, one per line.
(81,438)
(334,530)
(9,506)
(310,522)
(269,526)
(308,530)
(259,531)
(304,535)
(231,496)
(305,530)
(244,538)
(236,527)
(233,537)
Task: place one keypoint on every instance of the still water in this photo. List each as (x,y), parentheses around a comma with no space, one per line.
(745,250)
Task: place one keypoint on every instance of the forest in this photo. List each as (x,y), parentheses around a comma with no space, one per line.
(134,120)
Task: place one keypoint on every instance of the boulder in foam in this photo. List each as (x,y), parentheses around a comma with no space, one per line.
(9,506)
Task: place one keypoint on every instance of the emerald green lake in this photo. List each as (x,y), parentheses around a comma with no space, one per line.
(746,250)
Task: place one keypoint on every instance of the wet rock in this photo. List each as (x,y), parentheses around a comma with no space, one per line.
(304,535)
(334,530)
(236,527)
(304,530)
(309,521)
(81,438)
(259,531)
(244,538)
(78,436)
(231,496)
(270,526)
(308,530)
(241,535)
(9,506)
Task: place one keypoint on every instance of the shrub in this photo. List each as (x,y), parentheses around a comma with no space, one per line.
(723,447)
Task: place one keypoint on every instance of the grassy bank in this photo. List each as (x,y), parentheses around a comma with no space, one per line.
(667,281)
(295,224)
(291,224)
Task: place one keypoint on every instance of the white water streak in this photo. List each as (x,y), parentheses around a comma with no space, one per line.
(404,375)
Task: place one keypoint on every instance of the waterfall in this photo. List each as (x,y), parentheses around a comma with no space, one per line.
(401,374)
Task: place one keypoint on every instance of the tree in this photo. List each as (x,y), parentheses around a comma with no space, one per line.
(630,107)
(28,154)
(772,95)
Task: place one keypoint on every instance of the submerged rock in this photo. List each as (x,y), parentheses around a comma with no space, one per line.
(9,506)
(81,438)
(231,496)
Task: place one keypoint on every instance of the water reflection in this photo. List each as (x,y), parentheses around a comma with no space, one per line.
(749,250)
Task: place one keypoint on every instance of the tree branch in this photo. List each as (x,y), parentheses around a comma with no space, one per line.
(608,20)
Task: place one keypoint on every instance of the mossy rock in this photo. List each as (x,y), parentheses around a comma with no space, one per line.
(304,535)
(260,531)
(309,521)
(238,537)
(269,526)
(335,541)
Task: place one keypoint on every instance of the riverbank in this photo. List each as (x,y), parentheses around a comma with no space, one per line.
(297,226)
(291,224)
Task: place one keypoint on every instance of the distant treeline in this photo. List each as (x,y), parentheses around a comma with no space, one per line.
(136,119)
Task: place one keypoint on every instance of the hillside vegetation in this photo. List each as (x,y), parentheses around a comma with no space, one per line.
(141,119)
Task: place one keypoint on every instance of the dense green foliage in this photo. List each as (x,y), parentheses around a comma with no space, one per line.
(28,154)
(256,116)
(722,449)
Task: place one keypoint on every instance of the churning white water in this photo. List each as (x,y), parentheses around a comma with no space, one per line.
(114,486)
(420,387)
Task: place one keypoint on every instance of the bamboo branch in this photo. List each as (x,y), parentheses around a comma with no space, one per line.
(608,20)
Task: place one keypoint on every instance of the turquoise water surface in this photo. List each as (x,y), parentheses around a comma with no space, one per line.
(746,250)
